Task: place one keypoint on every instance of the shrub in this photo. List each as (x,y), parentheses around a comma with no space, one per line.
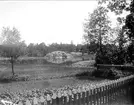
(10,78)
(108,74)
(85,73)
(111,56)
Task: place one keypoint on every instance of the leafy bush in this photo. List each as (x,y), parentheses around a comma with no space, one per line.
(111,57)
(109,74)
(10,78)
(85,73)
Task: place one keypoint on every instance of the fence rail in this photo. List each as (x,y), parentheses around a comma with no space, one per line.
(120,67)
(99,94)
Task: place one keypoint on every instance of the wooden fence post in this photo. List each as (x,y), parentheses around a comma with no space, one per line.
(53,101)
(87,97)
(92,96)
(49,99)
(65,100)
(107,93)
(83,97)
(70,100)
(62,100)
(103,94)
(75,99)
(58,101)
(99,95)
(48,103)
(79,98)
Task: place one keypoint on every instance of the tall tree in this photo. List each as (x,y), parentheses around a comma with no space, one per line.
(118,6)
(97,26)
(10,46)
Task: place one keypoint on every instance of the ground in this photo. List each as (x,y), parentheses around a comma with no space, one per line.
(45,75)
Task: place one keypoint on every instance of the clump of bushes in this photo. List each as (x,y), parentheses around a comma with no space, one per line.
(10,78)
(67,63)
(109,57)
(111,73)
(112,54)
(82,74)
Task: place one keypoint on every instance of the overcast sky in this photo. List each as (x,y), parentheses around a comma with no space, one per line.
(47,21)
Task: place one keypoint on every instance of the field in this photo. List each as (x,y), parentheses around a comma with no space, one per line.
(40,76)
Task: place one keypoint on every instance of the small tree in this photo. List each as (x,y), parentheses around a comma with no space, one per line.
(11,45)
(97,27)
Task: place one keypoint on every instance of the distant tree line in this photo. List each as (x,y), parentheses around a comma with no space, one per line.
(11,40)
(40,50)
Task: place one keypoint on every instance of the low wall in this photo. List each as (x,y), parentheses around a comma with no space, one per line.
(84,94)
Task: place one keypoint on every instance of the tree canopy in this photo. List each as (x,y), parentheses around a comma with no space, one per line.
(97,26)
(11,45)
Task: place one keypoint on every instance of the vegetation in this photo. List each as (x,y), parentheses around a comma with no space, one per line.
(118,50)
(99,42)
(111,73)
(11,45)
(118,7)
(97,26)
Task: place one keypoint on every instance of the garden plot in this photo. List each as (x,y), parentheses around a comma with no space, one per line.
(58,57)
(83,64)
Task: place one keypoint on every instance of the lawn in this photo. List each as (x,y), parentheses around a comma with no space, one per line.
(41,76)
(40,70)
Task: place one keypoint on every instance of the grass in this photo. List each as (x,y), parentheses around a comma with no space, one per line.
(46,71)
(41,76)
(32,74)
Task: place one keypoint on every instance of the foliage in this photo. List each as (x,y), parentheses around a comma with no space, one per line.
(130,51)
(58,57)
(125,33)
(82,74)
(108,74)
(97,26)
(10,78)
(10,36)
(42,96)
(40,50)
(11,46)
(116,6)
(111,55)
(129,23)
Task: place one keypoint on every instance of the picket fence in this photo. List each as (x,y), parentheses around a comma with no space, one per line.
(99,94)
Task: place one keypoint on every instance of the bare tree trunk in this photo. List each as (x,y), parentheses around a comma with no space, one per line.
(12,63)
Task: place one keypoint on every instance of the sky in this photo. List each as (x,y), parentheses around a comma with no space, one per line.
(47,21)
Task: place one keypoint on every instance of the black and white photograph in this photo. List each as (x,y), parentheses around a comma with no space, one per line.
(66,52)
